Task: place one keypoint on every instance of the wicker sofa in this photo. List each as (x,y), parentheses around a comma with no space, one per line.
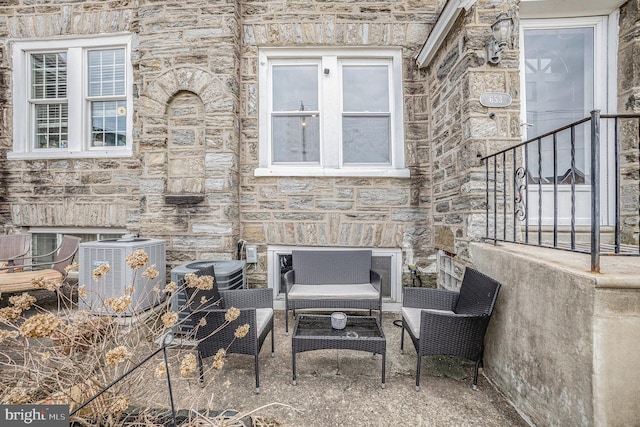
(332,279)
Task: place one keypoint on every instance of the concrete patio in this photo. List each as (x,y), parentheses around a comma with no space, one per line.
(342,388)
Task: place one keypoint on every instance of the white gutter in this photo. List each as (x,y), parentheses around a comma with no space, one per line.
(445,21)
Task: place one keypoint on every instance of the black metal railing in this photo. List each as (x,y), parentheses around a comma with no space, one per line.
(532,199)
(165,341)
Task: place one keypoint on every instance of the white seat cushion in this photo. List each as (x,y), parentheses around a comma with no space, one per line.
(263,315)
(357,291)
(412,316)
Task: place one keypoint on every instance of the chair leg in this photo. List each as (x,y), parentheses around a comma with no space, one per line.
(402,339)
(286,321)
(475,375)
(418,373)
(257,375)
(273,346)
(201,370)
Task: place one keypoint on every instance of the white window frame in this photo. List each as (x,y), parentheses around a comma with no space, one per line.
(395,276)
(79,125)
(330,94)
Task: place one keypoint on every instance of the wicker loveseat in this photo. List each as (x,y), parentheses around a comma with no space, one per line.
(330,279)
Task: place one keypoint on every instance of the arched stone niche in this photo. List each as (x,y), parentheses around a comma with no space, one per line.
(185,144)
(186,99)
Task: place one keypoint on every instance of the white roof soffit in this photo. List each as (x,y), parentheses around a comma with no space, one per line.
(557,8)
(445,21)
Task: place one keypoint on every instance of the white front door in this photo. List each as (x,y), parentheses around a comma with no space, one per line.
(564,77)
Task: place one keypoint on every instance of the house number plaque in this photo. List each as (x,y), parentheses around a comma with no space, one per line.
(495,99)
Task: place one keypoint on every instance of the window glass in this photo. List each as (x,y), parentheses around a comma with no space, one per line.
(42,244)
(366,139)
(331,112)
(75,100)
(295,88)
(366,133)
(108,123)
(49,75)
(51,125)
(365,88)
(295,125)
(559,82)
(106,72)
(296,139)
(48,93)
(107,78)
(45,243)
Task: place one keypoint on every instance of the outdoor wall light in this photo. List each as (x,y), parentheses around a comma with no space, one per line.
(501,29)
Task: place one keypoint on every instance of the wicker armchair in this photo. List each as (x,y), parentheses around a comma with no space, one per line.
(442,322)
(256,310)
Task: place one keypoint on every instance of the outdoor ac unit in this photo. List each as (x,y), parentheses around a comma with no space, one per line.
(230,274)
(112,285)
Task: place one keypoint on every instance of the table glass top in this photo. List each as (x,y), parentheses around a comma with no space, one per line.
(309,325)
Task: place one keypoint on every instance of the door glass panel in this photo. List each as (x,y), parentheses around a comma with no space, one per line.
(559,86)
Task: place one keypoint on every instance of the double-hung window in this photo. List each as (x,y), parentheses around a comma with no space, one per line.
(331,112)
(72,97)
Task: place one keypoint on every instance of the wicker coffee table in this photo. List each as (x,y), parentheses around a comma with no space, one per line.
(314,332)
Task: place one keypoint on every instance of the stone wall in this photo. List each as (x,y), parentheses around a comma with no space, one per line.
(462,130)
(195,127)
(182,182)
(325,211)
(629,103)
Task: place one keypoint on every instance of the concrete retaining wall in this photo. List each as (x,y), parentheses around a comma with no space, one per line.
(563,343)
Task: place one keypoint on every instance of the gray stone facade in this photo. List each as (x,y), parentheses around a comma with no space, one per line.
(190,180)
(195,129)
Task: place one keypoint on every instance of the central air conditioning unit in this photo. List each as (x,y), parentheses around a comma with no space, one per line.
(120,276)
(230,274)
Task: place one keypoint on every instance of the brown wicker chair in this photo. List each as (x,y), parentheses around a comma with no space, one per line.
(256,310)
(442,322)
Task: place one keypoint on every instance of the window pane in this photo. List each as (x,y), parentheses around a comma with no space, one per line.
(43,243)
(106,72)
(296,138)
(49,75)
(366,140)
(108,123)
(51,125)
(365,88)
(295,88)
(559,85)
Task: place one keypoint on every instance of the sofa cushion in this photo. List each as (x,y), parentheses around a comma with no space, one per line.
(315,267)
(21,281)
(334,291)
(263,315)
(412,316)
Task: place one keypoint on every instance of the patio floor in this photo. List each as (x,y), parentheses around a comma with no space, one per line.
(338,387)
(342,388)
